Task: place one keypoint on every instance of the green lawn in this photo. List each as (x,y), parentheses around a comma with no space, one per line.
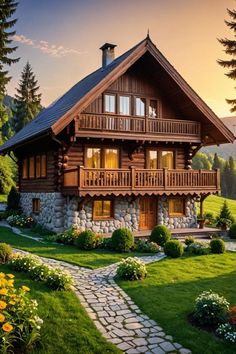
(213,204)
(167,296)
(3,197)
(90,259)
(67,329)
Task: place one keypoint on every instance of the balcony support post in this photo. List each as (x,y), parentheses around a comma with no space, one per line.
(81,176)
(165,179)
(133,178)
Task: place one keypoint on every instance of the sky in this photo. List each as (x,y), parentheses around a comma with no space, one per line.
(61,40)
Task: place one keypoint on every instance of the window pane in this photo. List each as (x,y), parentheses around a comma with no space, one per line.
(38,163)
(111,158)
(36,205)
(25,169)
(140,106)
(43,166)
(102,209)
(125,105)
(31,167)
(106,208)
(176,206)
(110,103)
(93,158)
(152,109)
(152,158)
(167,159)
(97,208)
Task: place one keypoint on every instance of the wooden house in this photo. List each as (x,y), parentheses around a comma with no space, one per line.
(116,149)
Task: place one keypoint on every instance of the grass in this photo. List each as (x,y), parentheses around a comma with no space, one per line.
(67,328)
(89,259)
(213,204)
(3,198)
(167,295)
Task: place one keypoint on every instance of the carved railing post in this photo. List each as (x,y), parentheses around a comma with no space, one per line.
(165,179)
(133,177)
(81,177)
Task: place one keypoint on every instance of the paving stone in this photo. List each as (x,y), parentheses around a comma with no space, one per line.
(131,320)
(132,351)
(139,341)
(133,325)
(185,351)
(167,346)
(115,340)
(170,338)
(158,350)
(177,345)
(155,340)
(142,349)
(124,346)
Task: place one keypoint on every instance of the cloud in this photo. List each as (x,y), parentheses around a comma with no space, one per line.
(53,50)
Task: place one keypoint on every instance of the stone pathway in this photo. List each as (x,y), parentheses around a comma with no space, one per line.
(114,313)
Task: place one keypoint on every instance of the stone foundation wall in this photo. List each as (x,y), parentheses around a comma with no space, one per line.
(59,213)
(180,222)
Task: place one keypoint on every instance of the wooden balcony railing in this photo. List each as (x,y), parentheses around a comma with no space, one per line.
(130,124)
(123,181)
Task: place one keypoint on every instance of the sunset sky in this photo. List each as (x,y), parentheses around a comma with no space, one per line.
(61,40)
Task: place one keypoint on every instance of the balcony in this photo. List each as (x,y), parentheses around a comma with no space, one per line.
(87,181)
(134,128)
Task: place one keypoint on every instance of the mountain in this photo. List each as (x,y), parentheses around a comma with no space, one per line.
(9,102)
(224,150)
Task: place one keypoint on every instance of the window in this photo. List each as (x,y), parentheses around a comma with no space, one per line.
(38,166)
(152,159)
(140,106)
(102,209)
(176,207)
(167,159)
(152,109)
(101,158)
(25,169)
(110,103)
(124,105)
(36,205)
(43,171)
(31,167)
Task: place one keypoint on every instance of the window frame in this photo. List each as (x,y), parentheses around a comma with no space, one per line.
(100,217)
(177,214)
(36,205)
(130,104)
(102,159)
(104,102)
(37,160)
(159,151)
(25,168)
(145,106)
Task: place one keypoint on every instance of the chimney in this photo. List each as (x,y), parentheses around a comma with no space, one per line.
(108,54)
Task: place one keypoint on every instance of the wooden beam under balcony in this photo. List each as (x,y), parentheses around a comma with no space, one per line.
(133,128)
(100,181)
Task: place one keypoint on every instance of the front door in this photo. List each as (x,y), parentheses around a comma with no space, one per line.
(148,211)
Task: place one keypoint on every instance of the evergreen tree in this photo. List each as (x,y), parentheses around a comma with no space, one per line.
(230,49)
(232,178)
(201,162)
(27,99)
(216,162)
(225,180)
(225,212)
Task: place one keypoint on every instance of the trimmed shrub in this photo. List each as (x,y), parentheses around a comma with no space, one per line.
(174,248)
(122,240)
(198,248)
(5,252)
(88,240)
(210,309)
(160,234)
(68,237)
(13,199)
(131,268)
(217,246)
(147,247)
(232,231)
(189,240)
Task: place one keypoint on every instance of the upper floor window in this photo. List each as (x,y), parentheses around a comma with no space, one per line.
(93,158)
(167,159)
(160,159)
(101,158)
(124,105)
(110,103)
(152,109)
(31,167)
(140,106)
(25,169)
(34,167)
(152,159)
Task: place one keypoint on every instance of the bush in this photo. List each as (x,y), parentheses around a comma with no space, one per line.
(55,278)
(5,252)
(160,234)
(227,332)
(198,248)
(232,231)
(20,324)
(88,240)
(210,309)
(69,236)
(209,217)
(174,248)
(131,268)
(189,240)
(217,246)
(21,221)
(122,240)
(147,247)
(13,199)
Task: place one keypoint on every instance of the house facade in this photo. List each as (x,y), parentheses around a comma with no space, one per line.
(116,150)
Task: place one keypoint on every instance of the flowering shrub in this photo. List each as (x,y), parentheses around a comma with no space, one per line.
(88,240)
(19,322)
(147,247)
(131,268)
(226,331)
(68,237)
(210,309)
(21,221)
(55,278)
(198,248)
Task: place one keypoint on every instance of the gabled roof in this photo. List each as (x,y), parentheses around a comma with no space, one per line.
(59,114)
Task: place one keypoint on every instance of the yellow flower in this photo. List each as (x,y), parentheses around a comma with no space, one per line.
(7,327)
(10,283)
(3,305)
(2,317)
(2,275)
(25,288)
(11,276)
(11,303)
(3,291)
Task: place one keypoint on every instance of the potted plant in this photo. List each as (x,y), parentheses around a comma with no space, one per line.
(201,222)
(225,218)
(223,223)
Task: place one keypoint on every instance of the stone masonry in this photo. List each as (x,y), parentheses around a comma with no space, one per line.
(58,213)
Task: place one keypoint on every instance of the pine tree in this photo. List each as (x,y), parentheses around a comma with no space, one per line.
(27,99)
(225,212)
(230,49)
(216,162)
(225,181)
(232,177)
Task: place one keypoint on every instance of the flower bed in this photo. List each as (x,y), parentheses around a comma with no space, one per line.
(21,221)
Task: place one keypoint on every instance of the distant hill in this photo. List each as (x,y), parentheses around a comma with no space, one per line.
(224,150)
